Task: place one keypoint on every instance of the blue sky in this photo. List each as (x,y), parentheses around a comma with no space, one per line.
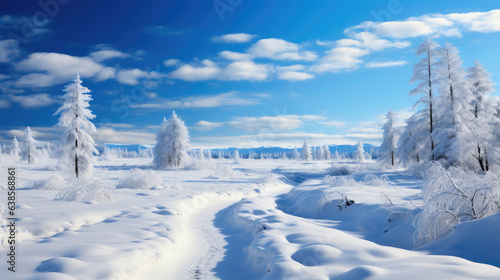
(240,73)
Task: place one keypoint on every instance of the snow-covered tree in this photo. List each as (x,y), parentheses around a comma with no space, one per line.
(326,152)
(295,154)
(481,85)
(424,73)
(77,147)
(236,155)
(454,139)
(172,143)
(30,151)
(319,153)
(199,154)
(359,153)
(305,152)
(208,153)
(388,147)
(15,151)
(411,144)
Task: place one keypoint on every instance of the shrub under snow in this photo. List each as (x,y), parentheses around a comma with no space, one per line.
(54,182)
(85,190)
(451,197)
(140,179)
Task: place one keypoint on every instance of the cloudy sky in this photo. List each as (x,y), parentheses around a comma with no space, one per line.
(240,73)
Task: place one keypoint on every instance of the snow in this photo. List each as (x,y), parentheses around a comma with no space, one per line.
(251,219)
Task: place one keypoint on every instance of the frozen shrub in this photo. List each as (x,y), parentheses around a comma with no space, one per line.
(329,180)
(373,180)
(340,170)
(451,197)
(140,179)
(54,182)
(85,190)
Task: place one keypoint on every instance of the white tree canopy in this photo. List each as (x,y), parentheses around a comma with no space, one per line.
(77,147)
(172,143)
(305,152)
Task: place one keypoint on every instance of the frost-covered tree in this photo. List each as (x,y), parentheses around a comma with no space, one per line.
(481,85)
(295,154)
(172,143)
(30,151)
(236,155)
(15,151)
(305,152)
(454,139)
(411,144)
(359,153)
(388,147)
(199,154)
(326,152)
(319,153)
(424,73)
(77,147)
(208,153)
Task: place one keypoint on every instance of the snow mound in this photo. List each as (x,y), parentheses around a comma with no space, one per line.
(475,240)
(140,179)
(85,191)
(55,182)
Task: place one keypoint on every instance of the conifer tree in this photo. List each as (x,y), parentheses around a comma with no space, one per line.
(172,143)
(77,147)
(305,152)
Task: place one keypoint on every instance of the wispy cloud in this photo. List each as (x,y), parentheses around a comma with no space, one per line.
(233,38)
(390,63)
(205,101)
(163,31)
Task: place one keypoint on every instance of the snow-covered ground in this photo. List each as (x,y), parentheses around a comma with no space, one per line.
(255,219)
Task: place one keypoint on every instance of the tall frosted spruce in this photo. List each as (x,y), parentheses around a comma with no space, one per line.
(423,72)
(388,147)
(454,138)
(481,85)
(30,152)
(77,146)
(305,152)
(172,143)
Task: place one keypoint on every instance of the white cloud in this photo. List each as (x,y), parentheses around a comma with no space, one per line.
(234,71)
(34,100)
(58,68)
(333,123)
(233,38)
(171,62)
(205,125)
(484,22)
(265,124)
(235,55)
(107,54)
(295,76)
(403,29)
(132,76)
(379,64)
(205,101)
(3,77)
(279,49)
(9,50)
(110,135)
(341,59)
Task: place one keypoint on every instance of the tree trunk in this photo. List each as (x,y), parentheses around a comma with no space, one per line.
(76,159)
(392,157)
(480,159)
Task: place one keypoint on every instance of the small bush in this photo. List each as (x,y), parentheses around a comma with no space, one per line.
(54,182)
(84,191)
(140,179)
